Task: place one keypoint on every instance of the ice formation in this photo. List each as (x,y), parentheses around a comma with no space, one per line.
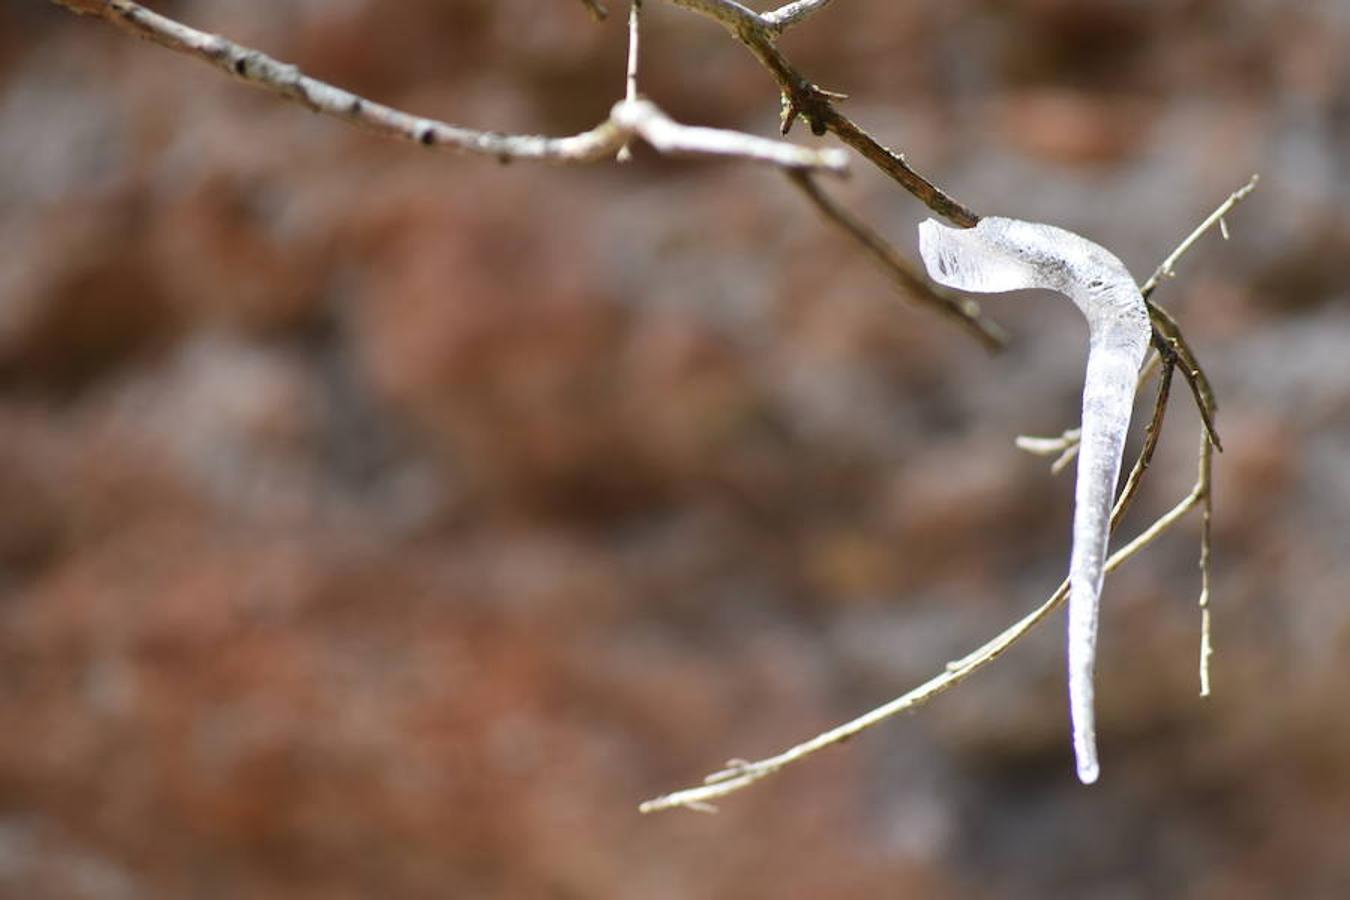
(1007,254)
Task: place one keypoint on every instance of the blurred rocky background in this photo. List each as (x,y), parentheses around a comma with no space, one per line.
(381,523)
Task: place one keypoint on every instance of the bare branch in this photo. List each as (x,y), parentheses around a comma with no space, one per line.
(816,105)
(1064,446)
(784,17)
(629,118)
(963,311)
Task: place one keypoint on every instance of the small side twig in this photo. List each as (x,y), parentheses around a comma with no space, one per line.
(631,77)
(1167,269)
(964,311)
(789,14)
(1064,446)
(1166,332)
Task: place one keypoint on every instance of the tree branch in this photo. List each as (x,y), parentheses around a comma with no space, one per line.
(629,118)
(803,98)
(633,118)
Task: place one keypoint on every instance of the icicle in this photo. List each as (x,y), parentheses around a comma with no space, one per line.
(1007,254)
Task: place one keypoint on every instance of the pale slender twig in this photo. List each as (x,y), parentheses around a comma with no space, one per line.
(629,118)
(631,79)
(964,311)
(1151,434)
(1064,446)
(1167,333)
(631,82)
(1167,269)
(784,17)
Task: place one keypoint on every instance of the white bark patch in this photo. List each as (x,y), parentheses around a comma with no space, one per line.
(1007,254)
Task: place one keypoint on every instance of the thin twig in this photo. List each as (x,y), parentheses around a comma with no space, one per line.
(784,17)
(1167,333)
(962,310)
(631,79)
(1167,337)
(634,14)
(815,104)
(1167,269)
(629,118)
(1151,434)
(1064,446)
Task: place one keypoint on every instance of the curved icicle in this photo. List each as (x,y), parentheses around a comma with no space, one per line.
(1007,254)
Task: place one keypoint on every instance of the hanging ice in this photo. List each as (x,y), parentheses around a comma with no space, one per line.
(1006,254)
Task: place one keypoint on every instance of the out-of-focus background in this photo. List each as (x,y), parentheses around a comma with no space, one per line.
(381,523)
